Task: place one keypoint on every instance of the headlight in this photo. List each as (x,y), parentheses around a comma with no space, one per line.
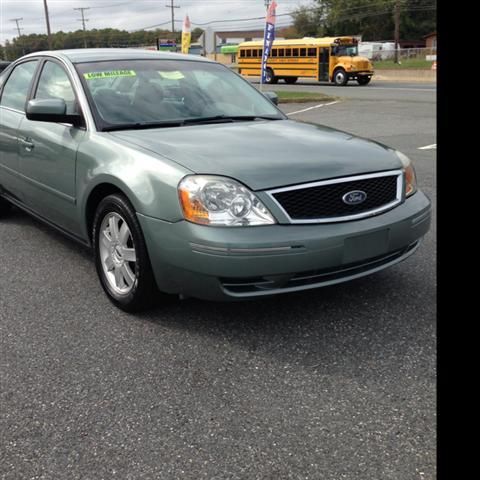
(220,201)
(410,177)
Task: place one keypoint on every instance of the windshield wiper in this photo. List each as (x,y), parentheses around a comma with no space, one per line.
(228,118)
(143,125)
(188,121)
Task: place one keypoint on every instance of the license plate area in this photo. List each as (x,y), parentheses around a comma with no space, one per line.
(363,247)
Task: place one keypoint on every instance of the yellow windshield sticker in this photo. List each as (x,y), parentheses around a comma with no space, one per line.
(112,74)
(172,75)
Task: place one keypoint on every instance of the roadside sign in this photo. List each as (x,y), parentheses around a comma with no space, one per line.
(210,43)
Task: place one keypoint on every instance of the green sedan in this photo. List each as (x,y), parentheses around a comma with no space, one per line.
(184,179)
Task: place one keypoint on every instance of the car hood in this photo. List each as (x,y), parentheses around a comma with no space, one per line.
(266,154)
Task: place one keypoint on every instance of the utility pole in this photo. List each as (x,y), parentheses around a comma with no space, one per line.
(173,7)
(16,20)
(396,19)
(47,19)
(83,20)
(19,30)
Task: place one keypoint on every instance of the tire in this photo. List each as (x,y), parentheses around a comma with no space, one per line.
(290,80)
(4,207)
(121,257)
(270,77)
(340,77)
(364,80)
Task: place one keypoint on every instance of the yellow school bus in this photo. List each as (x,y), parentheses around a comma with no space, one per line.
(332,59)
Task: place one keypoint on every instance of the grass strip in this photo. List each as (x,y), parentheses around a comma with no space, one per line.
(303,97)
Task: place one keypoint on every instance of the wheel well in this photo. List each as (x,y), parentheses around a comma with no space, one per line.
(336,70)
(96,196)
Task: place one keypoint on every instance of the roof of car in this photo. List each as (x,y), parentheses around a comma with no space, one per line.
(104,54)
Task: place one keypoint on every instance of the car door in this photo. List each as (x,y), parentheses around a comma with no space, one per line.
(47,152)
(14,93)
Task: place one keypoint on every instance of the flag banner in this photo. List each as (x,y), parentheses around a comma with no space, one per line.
(186,35)
(269,37)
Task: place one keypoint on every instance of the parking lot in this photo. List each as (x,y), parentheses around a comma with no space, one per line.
(334,383)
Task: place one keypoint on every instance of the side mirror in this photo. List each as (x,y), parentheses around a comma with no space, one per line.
(272,96)
(51,110)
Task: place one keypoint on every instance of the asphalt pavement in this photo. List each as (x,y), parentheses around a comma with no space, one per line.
(335,383)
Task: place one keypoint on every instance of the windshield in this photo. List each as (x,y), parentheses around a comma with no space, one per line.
(345,50)
(150,92)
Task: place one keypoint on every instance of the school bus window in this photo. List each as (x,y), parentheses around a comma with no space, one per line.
(295,52)
(242,53)
(281,52)
(288,52)
(312,52)
(254,53)
(249,53)
(274,52)
(303,52)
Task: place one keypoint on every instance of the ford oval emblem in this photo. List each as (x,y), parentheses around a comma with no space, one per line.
(354,197)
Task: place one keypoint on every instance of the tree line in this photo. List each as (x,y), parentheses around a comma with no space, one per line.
(372,19)
(106,37)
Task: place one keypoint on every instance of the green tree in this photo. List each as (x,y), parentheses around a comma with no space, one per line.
(310,21)
(196,32)
(372,19)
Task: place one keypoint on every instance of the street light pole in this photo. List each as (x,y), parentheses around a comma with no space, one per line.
(47,19)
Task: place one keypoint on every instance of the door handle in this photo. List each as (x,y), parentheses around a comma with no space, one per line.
(27,143)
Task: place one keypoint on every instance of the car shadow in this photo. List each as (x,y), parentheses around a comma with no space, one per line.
(344,327)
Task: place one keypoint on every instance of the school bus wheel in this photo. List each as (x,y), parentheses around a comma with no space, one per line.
(363,79)
(270,76)
(340,77)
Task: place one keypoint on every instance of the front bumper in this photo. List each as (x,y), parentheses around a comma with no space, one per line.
(361,73)
(229,263)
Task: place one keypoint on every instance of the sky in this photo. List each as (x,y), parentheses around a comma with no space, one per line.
(136,14)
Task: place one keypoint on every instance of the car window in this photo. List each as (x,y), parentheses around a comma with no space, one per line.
(16,88)
(54,83)
(148,91)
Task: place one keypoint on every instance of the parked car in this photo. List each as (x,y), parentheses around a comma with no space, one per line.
(183,177)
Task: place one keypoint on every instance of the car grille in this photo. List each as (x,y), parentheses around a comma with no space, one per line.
(323,201)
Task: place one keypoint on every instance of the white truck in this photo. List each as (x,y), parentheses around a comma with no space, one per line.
(377,50)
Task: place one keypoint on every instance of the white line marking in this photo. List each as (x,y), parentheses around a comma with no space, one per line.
(311,108)
(433,146)
(433,90)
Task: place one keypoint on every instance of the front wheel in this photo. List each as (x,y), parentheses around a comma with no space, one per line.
(340,77)
(121,257)
(290,80)
(363,80)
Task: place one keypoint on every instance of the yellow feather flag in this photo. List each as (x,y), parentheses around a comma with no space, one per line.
(186,35)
